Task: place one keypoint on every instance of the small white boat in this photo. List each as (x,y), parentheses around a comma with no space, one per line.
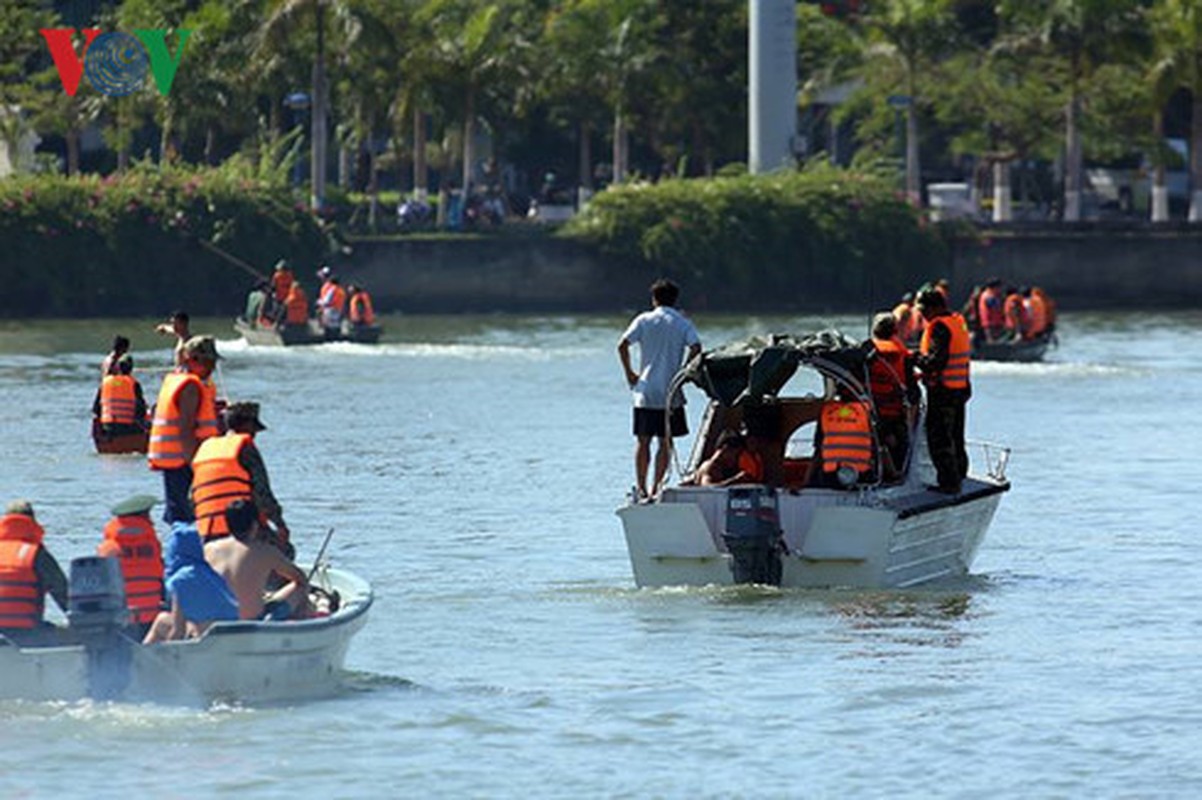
(252,662)
(873,534)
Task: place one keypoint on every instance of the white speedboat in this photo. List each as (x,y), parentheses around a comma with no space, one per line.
(251,662)
(788,531)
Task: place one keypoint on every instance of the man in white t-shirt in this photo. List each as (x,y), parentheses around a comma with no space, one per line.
(663,335)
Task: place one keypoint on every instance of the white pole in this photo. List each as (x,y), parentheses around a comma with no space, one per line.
(772,113)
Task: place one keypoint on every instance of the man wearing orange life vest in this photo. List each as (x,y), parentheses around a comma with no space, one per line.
(27,571)
(130,537)
(184,416)
(230,467)
(894,390)
(732,463)
(331,300)
(361,312)
(119,405)
(296,306)
(1037,313)
(1017,322)
(845,441)
(943,358)
(281,281)
(991,313)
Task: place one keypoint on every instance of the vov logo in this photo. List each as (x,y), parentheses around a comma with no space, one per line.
(115,63)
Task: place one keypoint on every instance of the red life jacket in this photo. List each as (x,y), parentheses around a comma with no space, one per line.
(22,599)
(846,436)
(133,540)
(887,377)
(955,373)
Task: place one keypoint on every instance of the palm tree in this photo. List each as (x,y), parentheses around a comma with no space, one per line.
(1176,27)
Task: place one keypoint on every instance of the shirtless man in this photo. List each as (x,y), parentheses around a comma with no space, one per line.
(177,326)
(727,466)
(248,558)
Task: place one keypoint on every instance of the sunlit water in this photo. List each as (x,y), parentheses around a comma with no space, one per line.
(471,467)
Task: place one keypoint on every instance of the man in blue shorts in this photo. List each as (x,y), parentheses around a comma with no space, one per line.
(663,335)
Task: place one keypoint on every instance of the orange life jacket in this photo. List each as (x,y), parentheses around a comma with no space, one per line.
(133,540)
(166,450)
(281,283)
(118,400)
(297,306)
(886,377)
(1049,304)
(752,464)
(22,600)
(1037,315)
(955,373)
(218,479)
(334,298)
(990,312)
(846,436)
(1016,314)
(361,311)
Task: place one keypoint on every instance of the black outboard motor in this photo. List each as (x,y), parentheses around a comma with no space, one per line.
(753,535)
(98,615)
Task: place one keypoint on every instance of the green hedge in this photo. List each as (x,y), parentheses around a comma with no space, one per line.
(817,239)
(131,244)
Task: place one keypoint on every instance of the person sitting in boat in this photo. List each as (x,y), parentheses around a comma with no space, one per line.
(894,387)
(360,310)
(844,443)
(177,325)
(1017,322)
(281,282)
(198,595)
(120,347)
(731,463)
(906,316)
(296,306)
(1037,313)
(228,468)
(119,405)
(331,304)
(130,537)
(28,572)
(990,310)
(1049,307)
(248,559)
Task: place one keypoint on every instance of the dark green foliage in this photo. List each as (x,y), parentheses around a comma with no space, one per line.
(131,244)
(819,239)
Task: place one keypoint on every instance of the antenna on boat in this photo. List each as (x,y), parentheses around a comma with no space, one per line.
(320,554)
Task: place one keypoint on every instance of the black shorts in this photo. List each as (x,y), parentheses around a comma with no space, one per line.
(650,422)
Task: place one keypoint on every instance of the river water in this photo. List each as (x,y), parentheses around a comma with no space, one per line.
(471,467)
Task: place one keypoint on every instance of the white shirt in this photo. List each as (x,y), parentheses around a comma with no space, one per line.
(663,336)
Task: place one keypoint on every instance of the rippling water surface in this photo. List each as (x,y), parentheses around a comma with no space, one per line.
(471,467)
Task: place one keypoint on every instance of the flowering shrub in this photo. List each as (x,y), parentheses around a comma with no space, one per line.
(819,238)
(132,244)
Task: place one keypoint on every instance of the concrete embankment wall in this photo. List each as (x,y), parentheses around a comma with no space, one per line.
(1083,267)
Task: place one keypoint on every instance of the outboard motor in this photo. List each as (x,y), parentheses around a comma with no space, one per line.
(97,613)
(753,535)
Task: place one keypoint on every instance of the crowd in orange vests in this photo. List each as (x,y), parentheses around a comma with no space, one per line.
(995,312)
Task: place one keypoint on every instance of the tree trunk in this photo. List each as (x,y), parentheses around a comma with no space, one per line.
(1072,154)
(1001,191)
(210,145)
(913,169)
(72,138)
(420,176)
(619,148)
(1195,156)
(469,131)
(317,152)
(1160,189)
(584,185)
(373,189)
(344,164)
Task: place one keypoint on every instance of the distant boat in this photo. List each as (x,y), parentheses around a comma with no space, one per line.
(121,442)
(1026,350)
(250,661)
(312,333)
(789,532)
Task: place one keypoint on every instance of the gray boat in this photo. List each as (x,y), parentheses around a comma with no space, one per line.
(311,333)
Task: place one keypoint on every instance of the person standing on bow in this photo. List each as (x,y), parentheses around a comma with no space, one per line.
(177,325)
(184,416)
(663,335)
(943,358)
(230,467)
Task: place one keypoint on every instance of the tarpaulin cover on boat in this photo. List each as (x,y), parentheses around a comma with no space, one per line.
(758,367)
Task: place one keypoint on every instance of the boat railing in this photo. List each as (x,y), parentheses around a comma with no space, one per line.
(995,457)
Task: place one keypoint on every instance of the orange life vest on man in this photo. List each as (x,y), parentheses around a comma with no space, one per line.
(118,400)
(22,600)
(361,311)
(1037,315)
(332,296)
(1049,305)
(1016,314)
(281,284)
(133,540)
(990,312)
(218,479)
(955,372)
(296,306)
(887,377)
(166,450)
(846,436)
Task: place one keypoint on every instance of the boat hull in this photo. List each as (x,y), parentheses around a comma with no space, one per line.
(312,333)
(1021,350)
(122,443)
(887,539)
(253,662)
